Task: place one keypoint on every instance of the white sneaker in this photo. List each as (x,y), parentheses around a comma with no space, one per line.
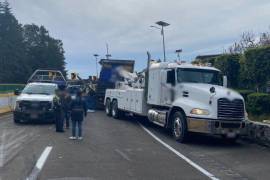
(72,138)
(80,138)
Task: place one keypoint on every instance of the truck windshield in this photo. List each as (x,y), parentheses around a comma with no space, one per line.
(199,76)
(39,89)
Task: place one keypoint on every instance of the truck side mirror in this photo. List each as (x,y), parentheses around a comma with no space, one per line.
(17,92)
(225,81)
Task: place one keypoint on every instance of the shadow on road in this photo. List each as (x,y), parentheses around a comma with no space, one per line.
(195,139)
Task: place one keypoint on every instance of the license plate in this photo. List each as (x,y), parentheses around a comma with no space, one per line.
(34,116)
(231,134)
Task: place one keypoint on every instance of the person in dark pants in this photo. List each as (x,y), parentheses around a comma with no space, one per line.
(78,112)
(59,110)
(67,102)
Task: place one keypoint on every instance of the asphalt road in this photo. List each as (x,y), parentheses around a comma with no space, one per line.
(122,149)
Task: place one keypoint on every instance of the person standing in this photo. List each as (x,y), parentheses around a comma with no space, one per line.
(66,106)
(78,112)
(58,109)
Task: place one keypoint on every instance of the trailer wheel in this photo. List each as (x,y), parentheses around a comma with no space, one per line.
(108,107)
(115,110)
(179,127)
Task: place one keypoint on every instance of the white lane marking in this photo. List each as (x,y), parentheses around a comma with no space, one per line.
(2,148)
(40,163)
(42,159)
(205,172)
(122,154)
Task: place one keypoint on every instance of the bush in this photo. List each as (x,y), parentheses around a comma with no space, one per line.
(258,103)
(245,93)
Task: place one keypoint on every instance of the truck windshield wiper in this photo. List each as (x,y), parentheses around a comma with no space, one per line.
(44,93)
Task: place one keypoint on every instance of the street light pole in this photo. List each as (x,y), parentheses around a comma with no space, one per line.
(96,56)
(162,24)
(178,51)
(164,51)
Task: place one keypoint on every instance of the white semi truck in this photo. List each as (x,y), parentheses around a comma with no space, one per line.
(183,98)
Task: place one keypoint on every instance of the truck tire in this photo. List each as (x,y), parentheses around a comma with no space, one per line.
(16,121)
(115,111)
(179,127)
(108,107)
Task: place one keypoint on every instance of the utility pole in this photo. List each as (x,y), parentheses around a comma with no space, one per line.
(96,56)
(162,24)
(108,55)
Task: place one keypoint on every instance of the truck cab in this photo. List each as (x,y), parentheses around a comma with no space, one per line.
(195,99)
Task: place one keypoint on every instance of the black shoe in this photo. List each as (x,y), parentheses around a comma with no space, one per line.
(61,131)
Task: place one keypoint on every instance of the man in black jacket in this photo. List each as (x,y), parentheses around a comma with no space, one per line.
(78,112)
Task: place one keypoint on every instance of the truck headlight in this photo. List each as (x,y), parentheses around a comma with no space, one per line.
(198,111)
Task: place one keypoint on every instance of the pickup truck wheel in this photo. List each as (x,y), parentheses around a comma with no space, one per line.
(179,127)
(16,121)
(108,108)
(115,110)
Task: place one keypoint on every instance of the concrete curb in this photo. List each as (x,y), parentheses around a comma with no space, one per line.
(258,132)
(7,95)
(4,110)
(7,102)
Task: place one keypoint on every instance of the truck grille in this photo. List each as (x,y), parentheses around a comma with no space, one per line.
(230,109)
(35,105)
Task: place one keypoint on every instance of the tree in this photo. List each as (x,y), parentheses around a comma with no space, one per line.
(264,39)
(43,51)
(230,66)
(248,40)
(25,49)
(12,51)
(255,67)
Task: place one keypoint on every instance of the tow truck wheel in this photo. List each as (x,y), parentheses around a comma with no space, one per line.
(179,127)
(115,110)
(108,107)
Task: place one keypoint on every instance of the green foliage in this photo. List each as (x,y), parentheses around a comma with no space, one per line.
(245,93)
(258,103)
(44,51)
(230,66)
(12,49)
(255,67)
(23,49)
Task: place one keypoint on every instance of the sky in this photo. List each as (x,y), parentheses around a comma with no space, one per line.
(198,27)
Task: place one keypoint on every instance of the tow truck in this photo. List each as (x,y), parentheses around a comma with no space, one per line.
(181,97)
(35,102)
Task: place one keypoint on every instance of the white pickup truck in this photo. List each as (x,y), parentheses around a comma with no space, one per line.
(35,102)
(181,97)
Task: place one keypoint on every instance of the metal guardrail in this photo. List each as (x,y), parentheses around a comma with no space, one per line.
(9,88)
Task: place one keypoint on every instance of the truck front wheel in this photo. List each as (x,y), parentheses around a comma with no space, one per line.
(108,107)
(179,127)
(115,111)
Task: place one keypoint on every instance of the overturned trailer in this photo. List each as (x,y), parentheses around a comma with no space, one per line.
(109,74)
